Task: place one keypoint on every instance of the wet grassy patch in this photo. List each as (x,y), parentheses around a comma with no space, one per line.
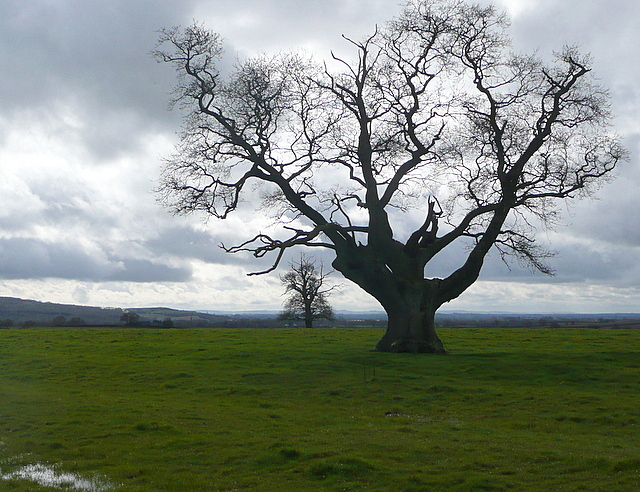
(267,410)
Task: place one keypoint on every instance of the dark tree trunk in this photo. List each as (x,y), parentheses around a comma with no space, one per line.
(412,332)
(410,300)
(308,314)
(411,323)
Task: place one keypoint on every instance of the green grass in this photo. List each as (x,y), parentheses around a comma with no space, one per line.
(296,410)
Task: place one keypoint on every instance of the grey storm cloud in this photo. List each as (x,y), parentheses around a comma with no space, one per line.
(82,47)
(94,55)
(571,263)
(25,258)
(183,241)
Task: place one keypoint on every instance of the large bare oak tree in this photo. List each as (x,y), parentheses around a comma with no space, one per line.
(432,113)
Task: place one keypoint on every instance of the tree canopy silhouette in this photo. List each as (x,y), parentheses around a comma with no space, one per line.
(433,113)
(308,293)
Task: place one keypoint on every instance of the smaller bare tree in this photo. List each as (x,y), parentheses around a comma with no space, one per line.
(307,298)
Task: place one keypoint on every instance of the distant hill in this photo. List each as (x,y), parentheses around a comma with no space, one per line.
(179,318)
(21,311)
(18,312)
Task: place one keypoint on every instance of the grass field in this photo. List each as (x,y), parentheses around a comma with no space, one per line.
(295,410)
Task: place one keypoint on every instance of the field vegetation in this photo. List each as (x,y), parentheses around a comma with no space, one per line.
(295,410)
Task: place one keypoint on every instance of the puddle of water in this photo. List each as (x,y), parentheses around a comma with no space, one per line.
(47,476)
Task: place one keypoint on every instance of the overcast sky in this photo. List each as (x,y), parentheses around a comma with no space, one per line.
(84,126)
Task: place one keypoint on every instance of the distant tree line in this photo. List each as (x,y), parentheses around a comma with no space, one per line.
(444,320)
(58,321)
(62,321)
(129,318)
